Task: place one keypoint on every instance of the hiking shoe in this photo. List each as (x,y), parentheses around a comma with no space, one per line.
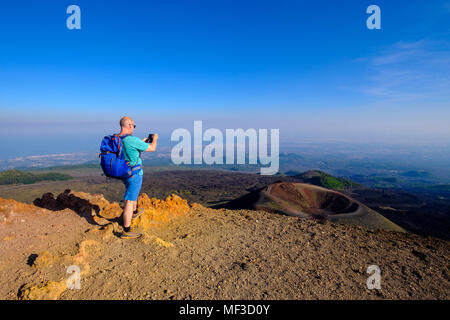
(130,235)
(137,213)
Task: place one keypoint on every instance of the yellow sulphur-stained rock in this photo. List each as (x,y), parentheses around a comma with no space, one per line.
(49,290)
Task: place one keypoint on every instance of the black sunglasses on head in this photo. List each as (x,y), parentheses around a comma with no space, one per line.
(134,126)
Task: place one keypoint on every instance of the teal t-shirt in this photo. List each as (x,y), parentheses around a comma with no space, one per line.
(132,148)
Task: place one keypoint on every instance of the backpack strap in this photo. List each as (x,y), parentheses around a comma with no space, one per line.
(120,138)
(134,169)
(106,152)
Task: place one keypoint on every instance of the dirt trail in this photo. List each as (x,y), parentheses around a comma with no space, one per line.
(192,252)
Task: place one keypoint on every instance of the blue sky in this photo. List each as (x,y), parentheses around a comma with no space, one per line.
(310,68)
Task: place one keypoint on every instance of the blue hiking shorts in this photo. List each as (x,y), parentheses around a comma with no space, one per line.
(133,186)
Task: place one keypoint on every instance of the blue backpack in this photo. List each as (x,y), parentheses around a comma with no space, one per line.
(112,159)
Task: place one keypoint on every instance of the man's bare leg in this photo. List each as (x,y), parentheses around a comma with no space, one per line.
(128,212)
(137,213)
(127,216)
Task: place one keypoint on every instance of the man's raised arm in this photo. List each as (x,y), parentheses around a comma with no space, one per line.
(152,146)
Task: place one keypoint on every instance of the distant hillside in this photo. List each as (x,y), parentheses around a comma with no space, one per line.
(325,180)
(440,187)
(416,174)
(16,176)
(87,165)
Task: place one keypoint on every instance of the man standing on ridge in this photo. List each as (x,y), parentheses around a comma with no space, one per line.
(132,148)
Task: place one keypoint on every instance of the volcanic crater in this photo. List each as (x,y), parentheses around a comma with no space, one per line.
(305,199)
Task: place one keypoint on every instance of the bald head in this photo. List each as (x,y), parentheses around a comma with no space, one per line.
(127,125)
(125,122)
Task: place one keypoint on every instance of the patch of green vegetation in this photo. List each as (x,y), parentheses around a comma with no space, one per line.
(16,177)
(331,182)
(326,180)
